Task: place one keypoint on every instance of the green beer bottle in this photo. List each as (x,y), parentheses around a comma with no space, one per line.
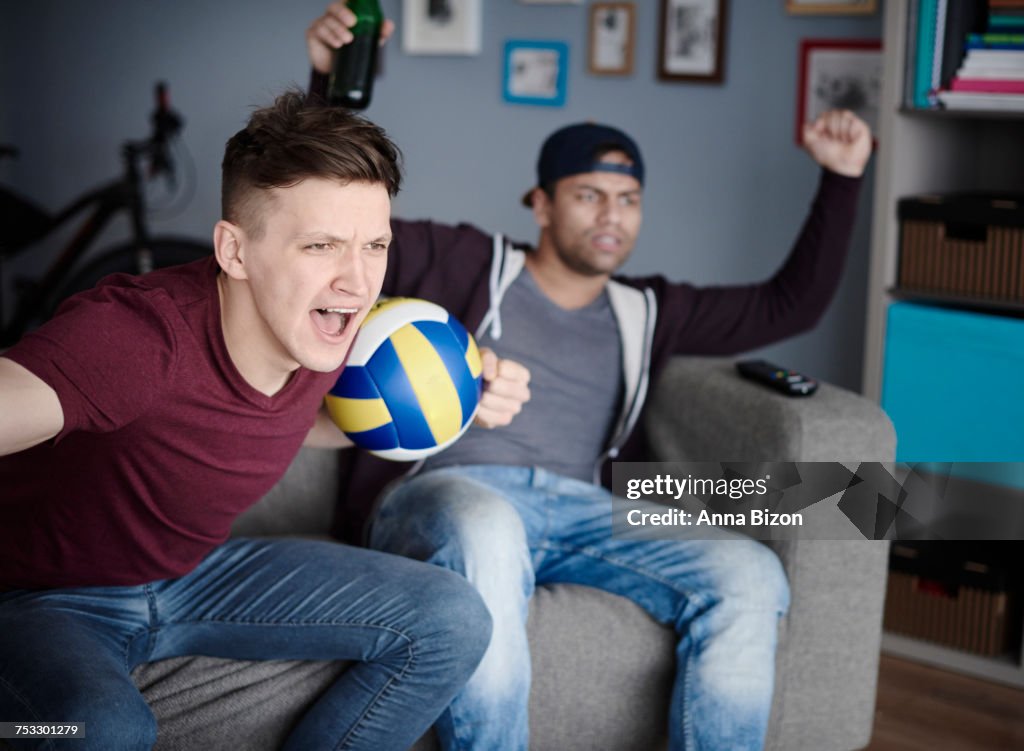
(351,81)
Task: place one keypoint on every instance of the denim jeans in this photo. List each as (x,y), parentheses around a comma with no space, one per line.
(416,632)
(509,528)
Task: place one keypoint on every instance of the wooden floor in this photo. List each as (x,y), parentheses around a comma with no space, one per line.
(921,708)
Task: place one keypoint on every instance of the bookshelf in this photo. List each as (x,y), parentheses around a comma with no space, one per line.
(931,151)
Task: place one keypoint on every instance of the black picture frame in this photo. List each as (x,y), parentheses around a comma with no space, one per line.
(692,41)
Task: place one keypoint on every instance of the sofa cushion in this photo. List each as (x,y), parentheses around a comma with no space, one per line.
(602,674)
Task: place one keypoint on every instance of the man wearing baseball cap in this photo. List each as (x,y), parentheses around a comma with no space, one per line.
(528,504)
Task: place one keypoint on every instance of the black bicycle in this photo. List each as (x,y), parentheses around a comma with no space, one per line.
(23,223)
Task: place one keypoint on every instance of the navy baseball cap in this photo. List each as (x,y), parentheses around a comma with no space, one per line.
(575,149)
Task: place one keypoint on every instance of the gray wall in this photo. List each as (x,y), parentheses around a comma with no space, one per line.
(726,190)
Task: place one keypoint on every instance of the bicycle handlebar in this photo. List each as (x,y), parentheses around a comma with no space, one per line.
(166,125)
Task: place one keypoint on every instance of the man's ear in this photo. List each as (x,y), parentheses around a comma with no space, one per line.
(228,246)
(541,206)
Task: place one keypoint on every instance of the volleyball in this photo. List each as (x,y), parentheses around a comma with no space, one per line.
(412,381)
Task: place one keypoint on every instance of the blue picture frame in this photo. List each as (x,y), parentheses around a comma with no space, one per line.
(536,72)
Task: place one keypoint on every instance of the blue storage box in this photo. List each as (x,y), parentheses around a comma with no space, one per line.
(953,386)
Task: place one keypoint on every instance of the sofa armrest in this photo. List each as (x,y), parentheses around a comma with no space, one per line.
(827,660)
(701,410)
(829,643)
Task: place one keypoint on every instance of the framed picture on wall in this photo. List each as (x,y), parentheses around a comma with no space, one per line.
(536,72)
(837,7)
(611,38)
(692,46)
(442,27)
(839,74)
(552,2)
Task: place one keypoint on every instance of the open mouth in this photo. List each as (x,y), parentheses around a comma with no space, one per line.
(333,321)
(607,242)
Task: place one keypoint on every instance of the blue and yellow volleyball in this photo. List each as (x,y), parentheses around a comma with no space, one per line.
(412,382)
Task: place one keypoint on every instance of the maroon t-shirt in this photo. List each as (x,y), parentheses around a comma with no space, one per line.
(164,443)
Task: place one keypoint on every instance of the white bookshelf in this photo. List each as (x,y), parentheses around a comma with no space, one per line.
(929,152)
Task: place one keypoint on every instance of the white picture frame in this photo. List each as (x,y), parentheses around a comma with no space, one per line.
(442,27)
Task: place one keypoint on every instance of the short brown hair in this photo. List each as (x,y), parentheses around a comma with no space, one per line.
(292,140)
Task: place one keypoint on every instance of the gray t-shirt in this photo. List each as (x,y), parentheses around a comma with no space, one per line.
(575,362)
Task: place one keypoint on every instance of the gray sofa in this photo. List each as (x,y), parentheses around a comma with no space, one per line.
(602,668)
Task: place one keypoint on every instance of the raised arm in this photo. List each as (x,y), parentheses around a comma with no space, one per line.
(725,320)
(30,411)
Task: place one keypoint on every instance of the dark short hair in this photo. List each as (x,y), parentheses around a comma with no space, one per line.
(292,140)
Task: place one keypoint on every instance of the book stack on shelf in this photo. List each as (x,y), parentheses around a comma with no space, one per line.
(965,55)
(991,76)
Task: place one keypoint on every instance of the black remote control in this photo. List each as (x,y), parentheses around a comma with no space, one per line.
(788,382)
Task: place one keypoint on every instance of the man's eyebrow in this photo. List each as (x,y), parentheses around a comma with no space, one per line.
(320,236)
(587,186)
(328,237)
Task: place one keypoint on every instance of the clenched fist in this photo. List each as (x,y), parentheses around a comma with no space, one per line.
(840,141)
(506,389)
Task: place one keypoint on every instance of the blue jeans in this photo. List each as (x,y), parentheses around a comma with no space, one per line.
(416,632)
(507,529)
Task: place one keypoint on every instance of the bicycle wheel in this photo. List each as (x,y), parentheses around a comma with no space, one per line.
(166,251)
